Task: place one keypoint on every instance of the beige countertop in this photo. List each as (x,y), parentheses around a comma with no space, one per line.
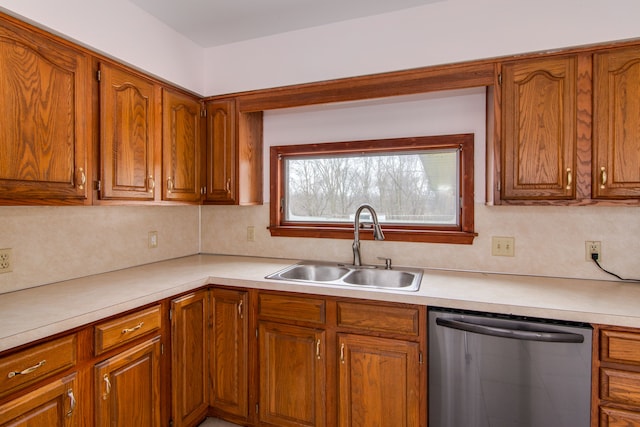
(36,313)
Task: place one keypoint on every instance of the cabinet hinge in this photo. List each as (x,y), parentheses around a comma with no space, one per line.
(203,113)
(170,313)
(256,332)
(162,349)
(500,79)
(257,407)
(420,358)
(499,185)
(97,185)
(98,75)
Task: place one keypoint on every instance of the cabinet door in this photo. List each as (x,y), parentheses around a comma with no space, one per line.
(229,352)
(616,157)
(378,382)
(292,375)
(539,129)
(44,138)
(189,336)
(127,387)
(221,152)
(52,405)
(181,147)
(127,135)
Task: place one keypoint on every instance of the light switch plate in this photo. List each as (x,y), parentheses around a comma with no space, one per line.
(503,246)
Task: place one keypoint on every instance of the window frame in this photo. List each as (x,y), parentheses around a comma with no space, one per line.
(457,234)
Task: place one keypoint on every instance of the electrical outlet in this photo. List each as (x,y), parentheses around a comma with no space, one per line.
(251,233)
(592,247)
(6,264)
(503,246)
(153,239)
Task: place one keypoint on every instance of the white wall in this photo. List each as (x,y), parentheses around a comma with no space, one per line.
(121,30)
(439,33)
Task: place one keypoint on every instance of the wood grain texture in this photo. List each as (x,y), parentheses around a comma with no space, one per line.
(182,147)
(43,136)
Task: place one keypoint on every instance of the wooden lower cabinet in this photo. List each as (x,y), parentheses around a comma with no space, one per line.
(228,353)
(189,358)
(52,405)
(292,375)
(127,387)
(378,382)
(616,377)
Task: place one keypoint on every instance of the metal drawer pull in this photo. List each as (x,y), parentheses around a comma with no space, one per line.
(135,328)
(169,185)
(107,386)
(569,178)
(28,370)
(72,402)
(152,183)
(318,349)
(240,310)
(83,178)
(603,177)
(342,353)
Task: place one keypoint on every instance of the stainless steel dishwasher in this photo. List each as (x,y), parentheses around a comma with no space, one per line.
(488,370)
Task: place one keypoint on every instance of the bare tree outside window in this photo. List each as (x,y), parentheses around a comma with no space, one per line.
(415,187)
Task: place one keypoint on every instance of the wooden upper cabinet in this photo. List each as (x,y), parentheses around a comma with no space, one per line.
(221,151)
(44,137)
(539,129)
(616,146)
(181,147)
(234,154)
(128,135)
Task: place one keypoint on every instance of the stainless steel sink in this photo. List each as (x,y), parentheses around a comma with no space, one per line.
(405,279)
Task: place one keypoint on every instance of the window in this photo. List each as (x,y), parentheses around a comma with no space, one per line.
(421,188)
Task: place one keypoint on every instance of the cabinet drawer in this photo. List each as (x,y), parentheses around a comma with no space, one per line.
(612,417)
(292,308)
(115,332)
(373,317)
(620,386)
(621,347)
(36,363)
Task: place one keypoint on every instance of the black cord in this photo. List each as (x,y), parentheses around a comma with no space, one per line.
(594,257)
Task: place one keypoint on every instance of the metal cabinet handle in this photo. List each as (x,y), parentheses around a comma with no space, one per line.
(342,353)
(569,179)
(318,349)
(151,183)
(240,310)
(28,370)
(169,185)
(83,178)
(107,386)
(603,177)
(72,402)
(228,185)
(135,328)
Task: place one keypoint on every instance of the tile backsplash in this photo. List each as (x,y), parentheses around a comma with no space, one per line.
(54,243)
(549,241)
(51,244)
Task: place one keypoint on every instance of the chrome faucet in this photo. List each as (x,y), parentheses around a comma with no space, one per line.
(377,232)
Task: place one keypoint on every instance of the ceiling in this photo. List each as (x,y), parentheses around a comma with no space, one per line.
(216,22)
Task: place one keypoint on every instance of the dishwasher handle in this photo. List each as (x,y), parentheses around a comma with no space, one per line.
(497,331)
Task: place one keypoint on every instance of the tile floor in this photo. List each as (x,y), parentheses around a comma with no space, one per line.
(215,422)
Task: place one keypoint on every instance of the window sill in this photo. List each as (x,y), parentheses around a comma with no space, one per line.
(390,234)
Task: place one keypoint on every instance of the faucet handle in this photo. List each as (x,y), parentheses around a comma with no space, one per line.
(387,262)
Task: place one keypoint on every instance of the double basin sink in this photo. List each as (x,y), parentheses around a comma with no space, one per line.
(405,279)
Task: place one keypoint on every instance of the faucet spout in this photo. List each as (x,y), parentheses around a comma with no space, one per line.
(377,231)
